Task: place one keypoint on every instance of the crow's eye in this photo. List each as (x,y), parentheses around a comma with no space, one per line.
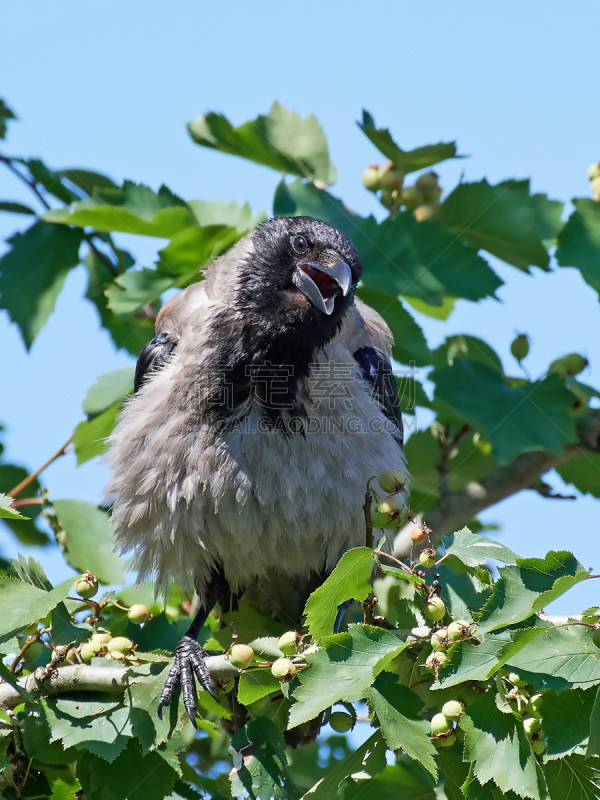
(300,244)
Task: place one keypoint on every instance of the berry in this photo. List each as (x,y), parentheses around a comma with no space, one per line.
(411,197)
(241,656)
(520,346)
(139,613)
(452,709)
(460,629)
(428,185)
(446,742)
(515,678)
(531,725)
(594,170)
(287,643)
(539,748)
(418,535)
(86,586)
(372,179)
(440,639)
(440,724)
(283,667)
(596,188)
(392,179)
(386,514)
(341,722)
(425,212)
(534,705)
(434,661)
(120,644)
(100,640)
(434,609)
(571,364)
(427,558)
(86,653)
(596,636)
(387,199)
(391,481)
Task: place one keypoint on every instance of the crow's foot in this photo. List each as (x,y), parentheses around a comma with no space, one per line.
(189,661)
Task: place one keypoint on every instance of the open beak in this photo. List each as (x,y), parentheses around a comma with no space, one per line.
(322,285)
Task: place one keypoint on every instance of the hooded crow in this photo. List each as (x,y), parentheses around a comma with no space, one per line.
(262,407)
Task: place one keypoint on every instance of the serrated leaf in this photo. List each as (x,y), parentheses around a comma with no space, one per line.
(299,198)
(525,588)
(501,219)
(102,728)
(474,550)
(498,746)
(468,661)
(398,710)
(63,784)
(137,288)
(361,766)
(255,684)
(89,543)
(573,778)
(232,215)
(5,114)
(344,666)
(350,580)
(406,160)
(249,621)
(281,140)
(515,419)
(46,254)
(463,594)
(579,241)
(6,512)
(87,180)
(107,389)
(134,208)
(91,436)
(194,248)
(264,774)
(470,347)
(593,748)
(49,179)
(30,571)
(143,697)
(64,630)
(22,603)
(574,705)
(582,472)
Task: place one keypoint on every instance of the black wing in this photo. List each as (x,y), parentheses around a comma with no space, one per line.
(377,370)
(154,355)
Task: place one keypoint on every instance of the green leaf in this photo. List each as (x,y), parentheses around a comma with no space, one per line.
(528,587)
(515,419)
(299,198)
(361,766)
(134,208)
(137,288)
(194,248)
(343,667)
(548,218)
(143,697)
(442,311)
(231,215)
(30,571)
(474,550)
(264,774)
(593,748)
(102,728)
(45,254)
(90,439)
(252,621)
(470,661)
(574,706)
(281,140)
(573,778)
(406,160)
(64,631)
(465,346)
(583,472)
(6,512)
(89,540)
(410,343)
(24,529)
(5,113)
(23,603)
(463,593)
(256,683)
(15,208)
(501,219)
(398,710)
(498,746)
(579,241)
(49,179)
(63,784)
(558,657)
(348,581)
(107,389)
(87,180)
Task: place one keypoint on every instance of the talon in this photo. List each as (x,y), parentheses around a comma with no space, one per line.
(189,662)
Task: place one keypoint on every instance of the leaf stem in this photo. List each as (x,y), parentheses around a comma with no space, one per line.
(30,478)
(31,183)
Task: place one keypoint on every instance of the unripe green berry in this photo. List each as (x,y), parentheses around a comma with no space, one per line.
(593,170)
(571,364)
(452,709)
(391,481)
(538,746)
(425,212)
(86,586)
(445,743)
(596,188)
(241,656)
(434,661)
(534,705)
(427,558)
(120,644)
(440,639)
(411,197)
(531,725)
(87,653)
(287,643)
(596,636)
(391,178)
(418,535)
(99,640)
(139,613)
(387,199)
(520,346)
(386,513)
(434,609)
(341,722)
(515,678)
(440,724)
(372,179)
(460,629)
(428,185)
(283,667)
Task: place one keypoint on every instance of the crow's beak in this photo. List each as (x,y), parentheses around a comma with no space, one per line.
(321,284)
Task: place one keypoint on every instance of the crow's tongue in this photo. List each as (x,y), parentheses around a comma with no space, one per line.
(327,285)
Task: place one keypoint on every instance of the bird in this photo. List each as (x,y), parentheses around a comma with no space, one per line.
(262,406)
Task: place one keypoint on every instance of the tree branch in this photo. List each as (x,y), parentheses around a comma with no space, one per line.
(454,509)
(30,478)
(84,678)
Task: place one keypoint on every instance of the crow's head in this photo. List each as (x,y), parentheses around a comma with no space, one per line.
(298,276)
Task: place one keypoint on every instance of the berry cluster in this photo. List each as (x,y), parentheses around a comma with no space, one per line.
(528,706)
(423,198)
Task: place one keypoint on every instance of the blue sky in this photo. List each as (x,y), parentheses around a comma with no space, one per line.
(111,87)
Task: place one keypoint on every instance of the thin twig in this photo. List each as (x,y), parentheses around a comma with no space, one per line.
(30,478)
(368,520)
(89,238)
(31,183)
